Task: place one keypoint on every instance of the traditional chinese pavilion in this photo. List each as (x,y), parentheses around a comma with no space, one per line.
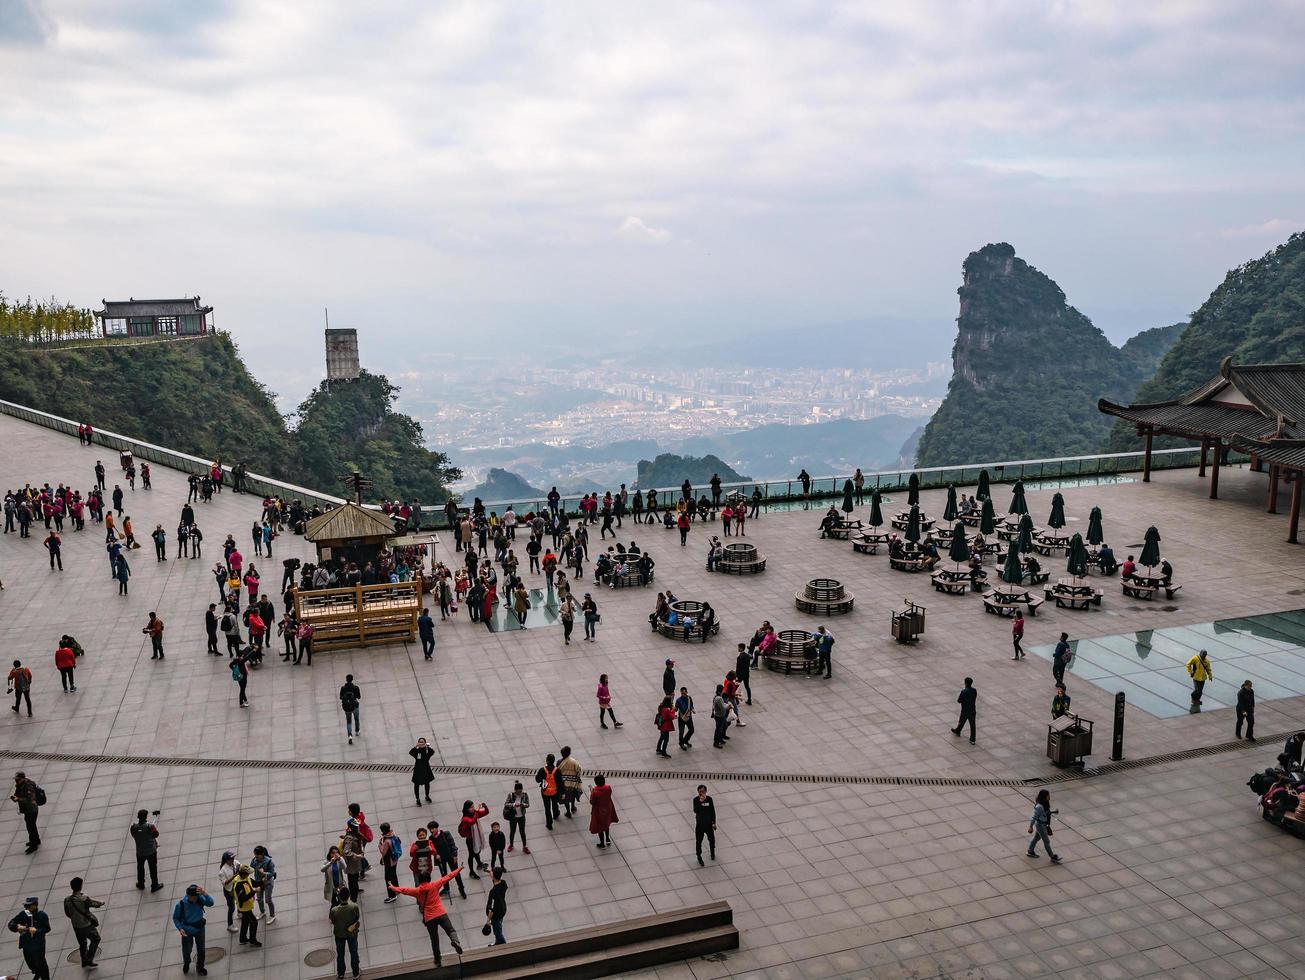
(1257,409)
(154,318)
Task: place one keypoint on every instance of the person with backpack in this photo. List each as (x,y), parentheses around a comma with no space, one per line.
(145,835)
(391,849)
(188,920)
(264,869)
(1200,670)
(229,624)
(350,695)
(570,783)
(824,649)
(30,798)
(86,927)
(154,630)
(446,854)
(423,858)
(549,786)
(469,830)
(245,891)
(346,918)
(422,774)
(353,853)
(20,686)
(240,674)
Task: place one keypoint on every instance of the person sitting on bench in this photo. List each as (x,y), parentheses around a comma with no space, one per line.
(1106,560)
(1128,568)
(1166,572)
(829,522)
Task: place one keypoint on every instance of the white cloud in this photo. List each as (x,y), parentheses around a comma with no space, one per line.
(1275,228)
(635,230)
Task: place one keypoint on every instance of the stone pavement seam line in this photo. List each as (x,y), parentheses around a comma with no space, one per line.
(1068,775)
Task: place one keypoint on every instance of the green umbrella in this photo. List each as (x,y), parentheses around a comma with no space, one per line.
(1151,549)
(876,515)
(913,490)
(1025,539)
(987,519)
(1013,570)
(847,497)
(960,549)
(912,532)
(983,493)
(1017,504)
(1078,556)
(949,512)
(1095,535)
(1057,518)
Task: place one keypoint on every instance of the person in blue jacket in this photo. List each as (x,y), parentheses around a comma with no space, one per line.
(188,920)
(32,925)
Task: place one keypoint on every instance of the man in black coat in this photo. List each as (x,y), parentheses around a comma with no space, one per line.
(426,630)
(668,679)
(446,853)
(1246,711)
(967,700)
(32,926)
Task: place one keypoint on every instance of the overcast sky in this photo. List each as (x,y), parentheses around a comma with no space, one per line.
(476,174)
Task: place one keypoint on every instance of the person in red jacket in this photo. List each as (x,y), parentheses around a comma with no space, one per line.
(665,725)
(602,811)
(432,911)
(66,661)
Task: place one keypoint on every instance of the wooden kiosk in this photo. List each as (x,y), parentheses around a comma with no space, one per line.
(356,615)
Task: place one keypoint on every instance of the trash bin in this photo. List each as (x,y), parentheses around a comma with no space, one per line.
(1069,739)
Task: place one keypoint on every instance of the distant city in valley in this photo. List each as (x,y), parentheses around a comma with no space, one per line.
(553,423)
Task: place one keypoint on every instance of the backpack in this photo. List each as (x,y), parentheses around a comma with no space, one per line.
(38,795)
(228,623)
(396,846)
(236,671)
(349,703)
(423,858)
(243,890)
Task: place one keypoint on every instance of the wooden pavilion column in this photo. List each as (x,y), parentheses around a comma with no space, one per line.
(1146,460)
(1295,506)
(1273,488)
(1214,470)
(1205,448)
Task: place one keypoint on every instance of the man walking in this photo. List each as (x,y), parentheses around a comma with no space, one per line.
(86,927)
(32,926)
(720,715)
(743,670)
(145,832)
(1246,711)
(345,920)
(1060,658)
(188,920)
(54,544)
(30,798)
(684,714)
(426,630)
(20,686)
(211,628)
(704,823)
(967,699)
(432,912)
(154,630)
(1200,670)
(350,695)
(496,905)
(824,647)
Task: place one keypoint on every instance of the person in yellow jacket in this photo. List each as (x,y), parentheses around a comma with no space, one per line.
(245,891)
(1200,670)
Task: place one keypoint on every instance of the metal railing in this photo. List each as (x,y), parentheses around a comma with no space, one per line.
(255,483)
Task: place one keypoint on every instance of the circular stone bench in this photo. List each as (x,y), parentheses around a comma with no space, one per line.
(824,597)
(741,558)
(793,650)
(686,607)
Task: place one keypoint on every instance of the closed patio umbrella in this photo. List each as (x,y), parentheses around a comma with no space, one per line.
(912,532)
(949,512)
(1025,539)
(987,518)
(1012,571)
(847,497)
(1078,557)
(876,514)
(1150,556)
(913,490)
(1057,518)
(1095,534)
(983,493)
(1017,504)
(959,552)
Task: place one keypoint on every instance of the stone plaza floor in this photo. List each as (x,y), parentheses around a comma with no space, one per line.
(1168,871)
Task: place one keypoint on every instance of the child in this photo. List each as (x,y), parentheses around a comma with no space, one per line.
(497,844)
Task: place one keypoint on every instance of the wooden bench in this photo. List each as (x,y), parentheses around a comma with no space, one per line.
(679,631)
(632,579)
(998,608)
(1066,601)
(905,564)
(824,597)
(865,547)
(793,650)
(950,586)
(842,530)
(1136,590)
(741,558)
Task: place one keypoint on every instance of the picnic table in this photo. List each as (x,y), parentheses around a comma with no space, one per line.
(1033,578)
(843,529)
(1145,584)
(910,561)
(1005,599)
(970,520)
(1073,593)
(868,544)
(1049,541)
(953,581)
(904,518)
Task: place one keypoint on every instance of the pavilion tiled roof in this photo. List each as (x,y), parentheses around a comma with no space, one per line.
(116,309)
(1240,403)
(1285,452)
(346,522)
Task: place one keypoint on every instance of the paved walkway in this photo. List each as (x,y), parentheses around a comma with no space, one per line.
(825,879)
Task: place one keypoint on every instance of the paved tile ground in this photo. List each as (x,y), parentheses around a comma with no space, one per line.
(1165,870)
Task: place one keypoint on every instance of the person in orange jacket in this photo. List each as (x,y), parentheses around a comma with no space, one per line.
(432,911)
